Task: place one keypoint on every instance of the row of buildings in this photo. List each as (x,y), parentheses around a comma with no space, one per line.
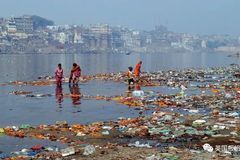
(19,35)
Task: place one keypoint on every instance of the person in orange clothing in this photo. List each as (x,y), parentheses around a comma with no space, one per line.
(137,70)
(75,74)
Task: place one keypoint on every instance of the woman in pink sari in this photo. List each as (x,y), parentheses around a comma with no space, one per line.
(75,74)
(59,75)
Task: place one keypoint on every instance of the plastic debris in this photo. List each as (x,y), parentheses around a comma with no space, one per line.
(68,151)
(137,93)
(4,155)
(137,144)
(154,157)
(105,132)
(37,147)
(199,122)
(2,130)
(88,150)
(25,126)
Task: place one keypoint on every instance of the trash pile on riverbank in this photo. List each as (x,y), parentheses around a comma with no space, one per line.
(160,130)
(201,117)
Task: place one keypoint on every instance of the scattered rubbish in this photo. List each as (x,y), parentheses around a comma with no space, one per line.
(39,95)
(24,126)
(4,155)
(197,123)
(80,134)
(20,92)
(137,144)
(138,93)
(154,157)
(105,132)
(200,105)
(68,151)
(107,127)
(37,147)
(1,130)
(88,150)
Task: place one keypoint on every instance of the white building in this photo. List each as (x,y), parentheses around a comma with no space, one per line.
(11,26)
(204,44)
(60,37)
(77,37)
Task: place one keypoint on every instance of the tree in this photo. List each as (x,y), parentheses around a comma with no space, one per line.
(39,22)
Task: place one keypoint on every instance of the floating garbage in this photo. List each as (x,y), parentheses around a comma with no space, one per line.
(1,130)
(234,114)
(25,126)
(193,111)
(138,93)
(154,157)
(68,151)
(80,134)
(107,127)
(39,95)
(105,132)
(37,147)
(21,92)
(137,144)
(4,155)
(198,123)
(88,150)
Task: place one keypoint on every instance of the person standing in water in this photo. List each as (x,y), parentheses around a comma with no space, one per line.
(59,75)
(137,70)
(75,73)
(130,76)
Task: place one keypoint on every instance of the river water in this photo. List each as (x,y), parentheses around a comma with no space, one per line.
(17,110)
(28,67)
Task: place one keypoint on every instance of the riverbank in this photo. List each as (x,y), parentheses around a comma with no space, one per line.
(196,115)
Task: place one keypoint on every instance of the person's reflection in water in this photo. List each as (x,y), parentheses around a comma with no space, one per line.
(130,90)
(75,94)
(137,87)
(59,94)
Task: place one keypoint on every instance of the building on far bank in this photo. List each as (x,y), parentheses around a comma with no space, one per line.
(98,37)
(24,24)
(11,26)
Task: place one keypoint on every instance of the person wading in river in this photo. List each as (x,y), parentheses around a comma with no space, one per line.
(137,70)
(59,75)
(130,76)
(75,74)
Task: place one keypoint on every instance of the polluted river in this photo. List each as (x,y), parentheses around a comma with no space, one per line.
(185,106)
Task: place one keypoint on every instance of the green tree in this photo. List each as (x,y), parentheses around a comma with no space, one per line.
(39,22)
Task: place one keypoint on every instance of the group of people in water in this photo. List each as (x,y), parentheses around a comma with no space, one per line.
(75,74)
(133,76)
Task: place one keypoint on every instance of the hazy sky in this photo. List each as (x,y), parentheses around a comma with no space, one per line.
(192,16)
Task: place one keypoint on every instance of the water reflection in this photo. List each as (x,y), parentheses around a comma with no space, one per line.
(59,94)
(137,87)
(131,88)
(75,94)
